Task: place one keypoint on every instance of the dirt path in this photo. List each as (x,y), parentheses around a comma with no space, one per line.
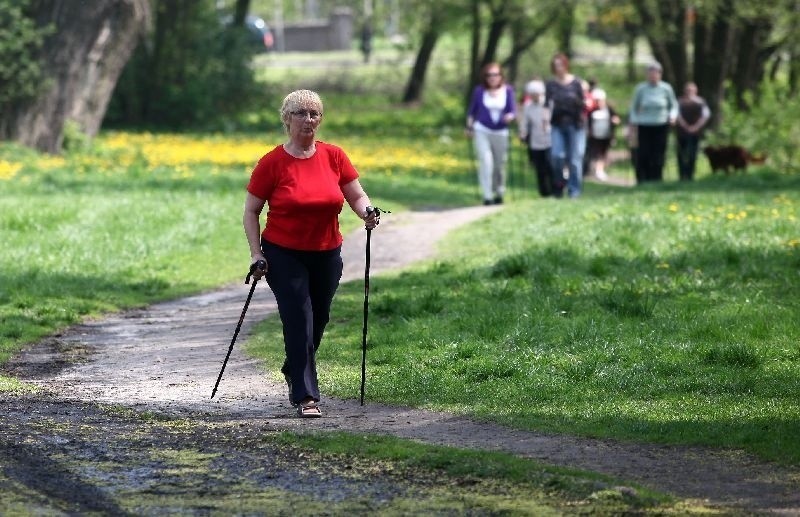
(166,358)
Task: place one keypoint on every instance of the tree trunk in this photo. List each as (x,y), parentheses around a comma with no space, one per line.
(666,33)
(523,38)
(564,26)
(416,80)
(710,65)
(794,74)
(496,27)
(631,33)
(753,55)
(474,52)
(240,12)
(84,58)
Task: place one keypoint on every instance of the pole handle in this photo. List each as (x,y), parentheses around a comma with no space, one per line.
(260,264)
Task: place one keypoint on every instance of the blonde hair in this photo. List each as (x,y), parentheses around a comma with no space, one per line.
(296,100)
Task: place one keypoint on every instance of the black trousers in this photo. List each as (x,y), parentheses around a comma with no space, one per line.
(540,159)
(303,283)
(687,146)
(651,153)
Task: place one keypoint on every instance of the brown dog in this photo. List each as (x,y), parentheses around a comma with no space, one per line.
(729,157)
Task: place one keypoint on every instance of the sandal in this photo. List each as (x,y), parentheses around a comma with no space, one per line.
(309,410)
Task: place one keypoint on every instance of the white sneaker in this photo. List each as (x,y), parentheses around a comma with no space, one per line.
(601,175)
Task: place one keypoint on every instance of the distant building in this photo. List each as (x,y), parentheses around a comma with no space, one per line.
(335,33)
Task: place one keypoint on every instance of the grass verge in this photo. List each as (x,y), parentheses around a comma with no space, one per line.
(663,314)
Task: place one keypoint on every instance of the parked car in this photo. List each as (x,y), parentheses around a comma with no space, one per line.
(259,33)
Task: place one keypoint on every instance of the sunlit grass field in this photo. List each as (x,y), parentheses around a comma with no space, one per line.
(662,313)
(140,217)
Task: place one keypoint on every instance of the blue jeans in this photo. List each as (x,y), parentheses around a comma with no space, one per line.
(568,148)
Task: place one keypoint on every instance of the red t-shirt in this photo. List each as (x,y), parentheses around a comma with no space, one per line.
(304,196)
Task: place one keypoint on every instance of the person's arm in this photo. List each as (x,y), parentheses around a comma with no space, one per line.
(511,108)
(472,112)
(252,229)
(359,201)
(673,104)
(633,112)
(524,123)
(705,114)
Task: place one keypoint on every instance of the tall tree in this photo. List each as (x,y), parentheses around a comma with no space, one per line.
(713,31)
(81,61)
(437,19)
(666,32)
(565,26)
(527,26)
(430,35)
(192,71)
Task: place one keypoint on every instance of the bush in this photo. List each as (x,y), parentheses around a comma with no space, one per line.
(191,72)
(771,126)
(20,41)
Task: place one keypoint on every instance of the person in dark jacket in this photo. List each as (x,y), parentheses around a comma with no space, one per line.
(693,115)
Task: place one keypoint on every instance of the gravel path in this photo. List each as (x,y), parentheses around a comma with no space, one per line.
(166,358)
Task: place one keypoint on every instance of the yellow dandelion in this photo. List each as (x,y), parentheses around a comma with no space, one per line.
(673,207)
(9,169)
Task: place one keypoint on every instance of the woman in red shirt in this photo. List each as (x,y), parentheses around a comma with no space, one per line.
(304,183)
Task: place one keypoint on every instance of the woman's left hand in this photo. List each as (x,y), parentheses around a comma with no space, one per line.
(372,220)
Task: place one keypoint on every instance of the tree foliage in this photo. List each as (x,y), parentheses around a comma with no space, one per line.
(21,41)
(193,70)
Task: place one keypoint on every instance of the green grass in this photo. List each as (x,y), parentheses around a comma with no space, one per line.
(121,225)
(663,313)
(520,486)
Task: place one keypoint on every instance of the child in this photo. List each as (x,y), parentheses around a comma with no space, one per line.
(602,122)
(534,130)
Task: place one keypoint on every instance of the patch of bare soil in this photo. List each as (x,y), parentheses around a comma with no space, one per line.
(165,359)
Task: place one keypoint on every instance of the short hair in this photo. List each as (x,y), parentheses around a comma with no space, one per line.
(485,68)
(655,65)
(559,56)
(534,87)
(299,99)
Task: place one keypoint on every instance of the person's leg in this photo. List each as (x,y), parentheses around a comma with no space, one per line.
(325,271)
(544,174)
(660,136)
(682,153)
(499,145)
(577,148)
(288,278)
(644,156)
(558,153)
(483,153)
(601,158)
(692,146)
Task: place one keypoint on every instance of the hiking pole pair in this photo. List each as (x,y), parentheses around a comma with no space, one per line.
(262,266)
(366,303)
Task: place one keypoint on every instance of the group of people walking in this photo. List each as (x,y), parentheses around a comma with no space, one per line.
(568,126)
(303,184)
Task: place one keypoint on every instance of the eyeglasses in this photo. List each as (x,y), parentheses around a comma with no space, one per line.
(492,74)
(315,115)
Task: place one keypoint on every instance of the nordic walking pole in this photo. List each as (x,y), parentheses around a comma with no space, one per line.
(262,266)
(366,304)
